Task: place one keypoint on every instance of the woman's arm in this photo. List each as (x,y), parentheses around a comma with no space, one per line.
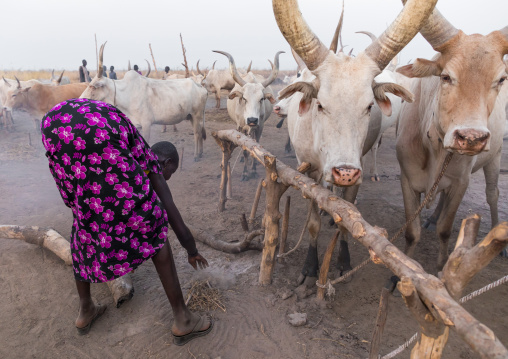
(175,220)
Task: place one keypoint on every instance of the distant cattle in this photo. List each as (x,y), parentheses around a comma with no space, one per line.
(148,101)
(250,103)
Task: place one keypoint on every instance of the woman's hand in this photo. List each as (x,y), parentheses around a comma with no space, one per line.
(198,260)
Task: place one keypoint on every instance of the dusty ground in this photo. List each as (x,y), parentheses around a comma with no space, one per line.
(38,300)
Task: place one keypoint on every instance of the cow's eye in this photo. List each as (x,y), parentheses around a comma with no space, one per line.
(370,107)
(501,80)
(446,78)
(319,106)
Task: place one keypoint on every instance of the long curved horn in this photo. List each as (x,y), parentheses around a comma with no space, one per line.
(335,40)
(271,63)
(149,68)
(129,66)
(298,34)
(232,68)
(60,78)
(275,70)
(250,65)
(213,66)
(400,32)
(197,67)
(369,34)
(351,52)
(52,74)
(100,70)
(299,61)
(19,83)
(7,83)
(437,30)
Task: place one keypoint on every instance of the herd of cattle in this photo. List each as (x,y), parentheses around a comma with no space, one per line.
(337,109)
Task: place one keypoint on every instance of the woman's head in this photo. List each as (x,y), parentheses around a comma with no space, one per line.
(168,157)
(136,68)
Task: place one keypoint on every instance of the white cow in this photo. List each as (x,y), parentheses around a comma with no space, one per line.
(340,100)
(460,108)
(148,101)
(250,103)
(60,80)
(217,80)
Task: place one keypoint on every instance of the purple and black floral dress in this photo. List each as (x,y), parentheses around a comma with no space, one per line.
(100,163)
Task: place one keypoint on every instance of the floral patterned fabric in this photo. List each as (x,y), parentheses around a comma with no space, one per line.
(98,160)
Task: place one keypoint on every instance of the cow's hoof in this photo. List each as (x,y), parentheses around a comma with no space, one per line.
(254,175)
(429,224)
(375,178)
(391,285)
(306,281)
(504,253)
(348,279)
(245,178)
(196,159)
(242,159)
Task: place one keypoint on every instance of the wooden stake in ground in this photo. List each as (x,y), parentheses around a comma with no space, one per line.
(187,74)
(285,229)
(256,202)
(227,149)
(380,324)
(274,192)
(154,64)
(325,266)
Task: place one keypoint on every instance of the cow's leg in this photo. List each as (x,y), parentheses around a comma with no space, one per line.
(256,135)
(430,223)
(374,175)
(344,260)
(288,148)
(197,126)
(217,98)
(245,174)
(411,204)
(164,129)
(445,221)
(491,172)
(310,269)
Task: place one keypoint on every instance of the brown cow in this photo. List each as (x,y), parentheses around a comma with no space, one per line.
(459,108)
(40,98)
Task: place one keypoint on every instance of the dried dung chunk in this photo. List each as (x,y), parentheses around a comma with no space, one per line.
(297,319)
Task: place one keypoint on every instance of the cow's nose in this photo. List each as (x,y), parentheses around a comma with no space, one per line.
(346,175)
(252,121)
(470,140)
(276,109)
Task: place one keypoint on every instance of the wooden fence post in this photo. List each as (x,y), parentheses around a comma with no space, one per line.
(227,149)
(274,192)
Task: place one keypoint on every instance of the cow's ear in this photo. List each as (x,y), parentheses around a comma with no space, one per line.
(234,94)
(421,68)
(269,97)
(383,101)
(309,91)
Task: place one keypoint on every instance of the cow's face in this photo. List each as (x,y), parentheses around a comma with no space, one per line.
(16,98)
(251,103)
(471,73)
(339,101)
(100,89)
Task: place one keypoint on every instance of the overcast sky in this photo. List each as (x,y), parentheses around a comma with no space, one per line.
(46,34)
